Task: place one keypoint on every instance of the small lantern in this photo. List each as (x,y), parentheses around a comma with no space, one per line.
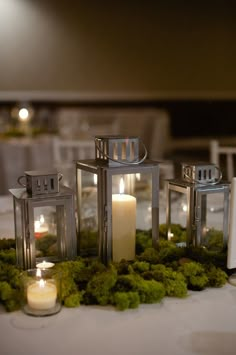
(201,202)
(44,220)
(117,193)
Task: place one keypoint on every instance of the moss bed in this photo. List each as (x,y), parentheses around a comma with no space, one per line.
(169,271)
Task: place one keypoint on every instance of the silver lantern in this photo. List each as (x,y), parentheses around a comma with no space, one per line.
(199,201)
(117,193)
(44,219)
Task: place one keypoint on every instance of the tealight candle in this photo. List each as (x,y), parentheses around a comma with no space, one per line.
(45,265)
(42,295)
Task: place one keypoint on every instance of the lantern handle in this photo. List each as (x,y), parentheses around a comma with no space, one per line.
(123,162)
(204,183)
(20,182)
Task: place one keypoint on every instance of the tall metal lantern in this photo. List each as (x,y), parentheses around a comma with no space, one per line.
(44,218)
(117,194)
(200,201)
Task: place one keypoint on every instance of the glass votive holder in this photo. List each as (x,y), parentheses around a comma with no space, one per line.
(41,292)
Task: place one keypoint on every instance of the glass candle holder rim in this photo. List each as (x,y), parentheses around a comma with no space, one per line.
(42,273)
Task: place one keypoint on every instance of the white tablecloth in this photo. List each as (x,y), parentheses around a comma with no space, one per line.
(202,324)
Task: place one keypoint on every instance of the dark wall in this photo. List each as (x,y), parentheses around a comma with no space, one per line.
(202,118)
(153,47)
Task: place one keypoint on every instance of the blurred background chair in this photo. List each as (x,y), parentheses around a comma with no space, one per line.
(81,123)
(66,152)
(224,157)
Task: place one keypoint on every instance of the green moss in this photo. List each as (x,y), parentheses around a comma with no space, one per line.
(7,243)
(140,266)
(167,271)
(195,275)
(216,276)
(89,242)
(8,256)
(143,241)
(179,233)
(150,291)
(47,245)
(73,300)
(100,286)
(173,281)
(5,290)
(213,240)
(149,255)
(124,300)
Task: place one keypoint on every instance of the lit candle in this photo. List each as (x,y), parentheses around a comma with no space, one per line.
(42,295)
(45,265)
(123,225)
(39,230)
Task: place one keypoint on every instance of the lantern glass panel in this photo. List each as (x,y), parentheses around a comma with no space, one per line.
(45,230)
(18,230)
(212,219)
(179,208)
(88,213)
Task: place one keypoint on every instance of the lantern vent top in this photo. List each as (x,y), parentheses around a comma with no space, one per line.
(201,173)
(118,150)
(41,182)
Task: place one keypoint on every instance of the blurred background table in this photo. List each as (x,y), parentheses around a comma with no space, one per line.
(19,155)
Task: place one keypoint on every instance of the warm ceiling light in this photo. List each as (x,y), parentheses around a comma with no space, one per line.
(23,114)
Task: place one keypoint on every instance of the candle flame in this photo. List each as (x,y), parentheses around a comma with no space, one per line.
(41,219)
(122,186)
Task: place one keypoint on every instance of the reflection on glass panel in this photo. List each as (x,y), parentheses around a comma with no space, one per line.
(19,237)
(46,231)
(88,214)
(178,217)
(212,220)
(179,208)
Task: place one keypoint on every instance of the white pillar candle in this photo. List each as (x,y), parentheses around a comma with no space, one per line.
(231,256)
(42,295)
(123,226)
